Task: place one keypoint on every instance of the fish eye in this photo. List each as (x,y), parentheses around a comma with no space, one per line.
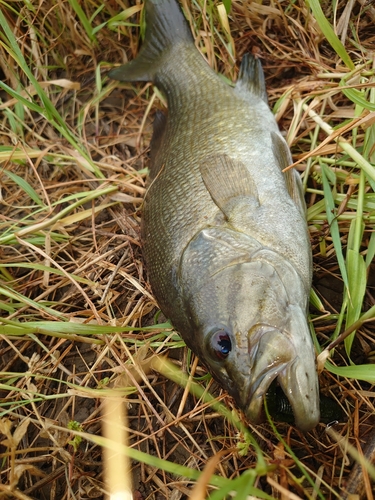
(220,344)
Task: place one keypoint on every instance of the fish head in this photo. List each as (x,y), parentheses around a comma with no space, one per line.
(250,329)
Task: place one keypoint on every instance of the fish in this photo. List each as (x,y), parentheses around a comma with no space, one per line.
(224,229)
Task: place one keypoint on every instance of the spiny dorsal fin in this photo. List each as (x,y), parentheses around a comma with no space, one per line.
(227,179)
(292,178)
(251,77)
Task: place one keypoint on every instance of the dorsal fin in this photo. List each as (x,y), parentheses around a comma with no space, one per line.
(251,77)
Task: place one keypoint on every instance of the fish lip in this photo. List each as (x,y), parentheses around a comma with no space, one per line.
(254,405)
(266,366)
(275,357)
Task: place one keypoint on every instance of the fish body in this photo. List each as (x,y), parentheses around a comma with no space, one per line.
(224,230)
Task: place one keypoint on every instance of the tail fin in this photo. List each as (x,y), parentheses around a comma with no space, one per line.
(166,27)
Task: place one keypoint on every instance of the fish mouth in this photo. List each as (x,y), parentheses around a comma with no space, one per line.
(275,357)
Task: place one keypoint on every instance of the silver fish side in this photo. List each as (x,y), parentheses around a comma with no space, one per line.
(224,231)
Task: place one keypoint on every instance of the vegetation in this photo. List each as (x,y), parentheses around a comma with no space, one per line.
(81,339)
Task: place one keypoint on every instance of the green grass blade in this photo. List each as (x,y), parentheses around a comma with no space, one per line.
(227,5)
(25,186)
(333,223)
(356,291)
(121,19)
(83,18)
(41,267)
(7,307)
(328,32)
(357,97)
(67,327)
(370,250)
(18,297)
(315,301)
(244,488)
(151,460)
(96,13)
(358,372)
(356,267)
(25,102)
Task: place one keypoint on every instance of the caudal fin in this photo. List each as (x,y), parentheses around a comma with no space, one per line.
(166,27)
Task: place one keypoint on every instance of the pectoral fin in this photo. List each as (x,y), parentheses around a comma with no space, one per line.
(228,181)
(292,178)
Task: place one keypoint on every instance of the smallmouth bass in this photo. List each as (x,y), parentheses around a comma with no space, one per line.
(224,232)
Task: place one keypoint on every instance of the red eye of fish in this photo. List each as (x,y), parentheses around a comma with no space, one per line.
(221,344)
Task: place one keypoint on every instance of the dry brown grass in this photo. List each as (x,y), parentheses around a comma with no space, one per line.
(81,222)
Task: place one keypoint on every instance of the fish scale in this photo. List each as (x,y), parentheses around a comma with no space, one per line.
(223,228)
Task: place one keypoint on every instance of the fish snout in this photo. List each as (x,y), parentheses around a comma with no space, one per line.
(275,356)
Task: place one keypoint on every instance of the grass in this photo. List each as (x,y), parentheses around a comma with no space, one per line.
(79,326)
